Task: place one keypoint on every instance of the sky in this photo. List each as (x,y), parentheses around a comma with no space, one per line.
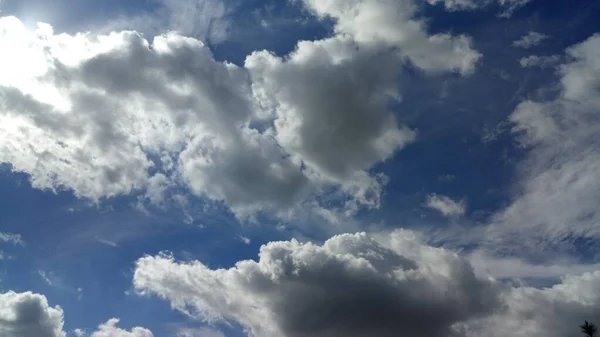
(296,168)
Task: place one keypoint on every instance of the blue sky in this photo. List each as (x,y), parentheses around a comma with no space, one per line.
(149,150)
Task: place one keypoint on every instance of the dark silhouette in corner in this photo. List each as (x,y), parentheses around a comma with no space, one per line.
(589,329)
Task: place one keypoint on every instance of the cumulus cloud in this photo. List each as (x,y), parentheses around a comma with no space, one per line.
(395,24)
(352,285)
(367,285)
(29,315)
(557,194)
(330,107)
(530,39)
(98,106)
(539,61)
(446,205)
(112,114)
(110,329)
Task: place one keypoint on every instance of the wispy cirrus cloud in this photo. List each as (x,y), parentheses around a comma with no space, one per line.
(12,238)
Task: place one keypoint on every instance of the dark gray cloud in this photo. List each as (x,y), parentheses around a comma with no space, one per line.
(388,284)
(352,285)
(29,315)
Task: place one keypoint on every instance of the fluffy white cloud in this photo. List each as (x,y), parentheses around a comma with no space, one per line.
(330,106)
(530,39)
(558,190)
(110,329)
(352,285)
(86,112)
(363,285)
(29,315)
(446,205)
(395,24)
(111,114)
(539,61)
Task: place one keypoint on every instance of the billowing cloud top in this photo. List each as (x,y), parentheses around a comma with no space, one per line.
(97,114)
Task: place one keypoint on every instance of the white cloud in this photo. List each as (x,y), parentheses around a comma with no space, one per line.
(530,39)
(110,329)
(557,195)
(109,107)
(45,277)
(539,61)
(79,332)
(363,285)
(12,238)
(352,285)
(87,112)
(330,106)
(394,24)
(552,312)
(446,205)
(29,315)
(199,332)
(486,264)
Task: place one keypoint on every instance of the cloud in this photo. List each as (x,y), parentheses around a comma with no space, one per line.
(110,329)
(367,285)
(115,100)
(29,315)
(553,312)
(556,196)
(330,107)
(507,6)
(113,114)
(395,24)
(446,205)
(486,264)
(539,61)
(45,277)
(352,285)
(207,20)
(529,40)
(199,332)
(11,238)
